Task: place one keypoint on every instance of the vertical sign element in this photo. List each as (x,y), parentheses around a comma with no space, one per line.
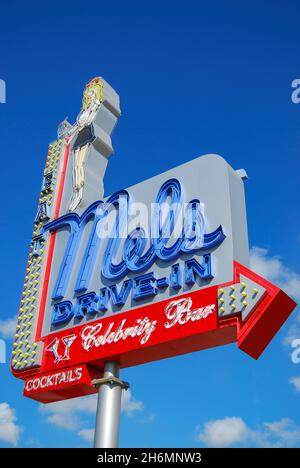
(90,142)
(26,351)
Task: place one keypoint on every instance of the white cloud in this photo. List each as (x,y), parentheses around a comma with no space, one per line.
(295,381)
(272,268)
(9,430)
(8,327)
(67,421)
(280,434)
(223,432)
(130,404)
(233,432)
(68,414)
(293,331)
(87,434)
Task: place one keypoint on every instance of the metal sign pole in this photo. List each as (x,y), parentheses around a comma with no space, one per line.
(109,406)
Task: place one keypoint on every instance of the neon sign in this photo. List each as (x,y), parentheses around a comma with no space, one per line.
(152,271)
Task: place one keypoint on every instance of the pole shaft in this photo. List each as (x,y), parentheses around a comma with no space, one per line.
(108,409)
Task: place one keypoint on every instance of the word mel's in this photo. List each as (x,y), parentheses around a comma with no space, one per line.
(135,257)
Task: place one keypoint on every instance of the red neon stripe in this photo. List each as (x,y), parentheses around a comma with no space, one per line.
(51,247)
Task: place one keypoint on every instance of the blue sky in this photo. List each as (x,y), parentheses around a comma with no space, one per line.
(194,78)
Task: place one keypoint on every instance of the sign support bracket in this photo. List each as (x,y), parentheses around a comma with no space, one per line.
(108,406)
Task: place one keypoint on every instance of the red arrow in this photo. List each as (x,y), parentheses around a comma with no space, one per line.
(266,319)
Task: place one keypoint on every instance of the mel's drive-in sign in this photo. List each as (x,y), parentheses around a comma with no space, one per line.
(151,271)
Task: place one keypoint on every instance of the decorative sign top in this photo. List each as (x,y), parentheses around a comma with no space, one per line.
(129,275)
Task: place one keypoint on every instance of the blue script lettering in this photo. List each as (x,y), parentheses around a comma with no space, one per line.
(135,257)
